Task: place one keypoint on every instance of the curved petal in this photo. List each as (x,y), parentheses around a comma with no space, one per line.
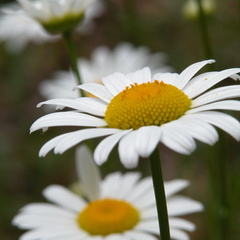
(147,140)
(189,72)
(178,234)
(221,105)
(179,205)
(97,90)
(62,196)
(221,120)
(76,137)
(88,173)
(134,235)
(211,81)
(168,78)
(67,119)
(116,82)
(174,186)
(127,151)
(216,95)
(150,226)
(182,224)
(140,76)
(104,148)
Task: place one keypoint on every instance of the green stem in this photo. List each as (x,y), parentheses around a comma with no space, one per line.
(160,196)
(67,36)
(204,32)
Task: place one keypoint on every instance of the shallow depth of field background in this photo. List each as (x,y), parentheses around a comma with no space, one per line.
(157,24)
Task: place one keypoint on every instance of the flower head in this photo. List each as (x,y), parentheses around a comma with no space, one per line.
(139,111)
(123,58)
(56,15)
(120,206)
(17,29)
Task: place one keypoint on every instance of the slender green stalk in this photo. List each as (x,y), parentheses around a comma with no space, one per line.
(67,36)
(160,196)
(204,32)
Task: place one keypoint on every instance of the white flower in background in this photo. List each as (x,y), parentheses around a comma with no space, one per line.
(190,9)
(57,15)
(139,111)
(123,58)
(119,207)
(17,29)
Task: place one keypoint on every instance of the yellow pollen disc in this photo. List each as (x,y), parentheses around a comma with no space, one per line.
(103,217)
(146,104)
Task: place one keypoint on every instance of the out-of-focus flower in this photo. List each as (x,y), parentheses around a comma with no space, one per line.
(17,29)
(57,16)
(139,111)
(119,207)
(123,58)
(190,8)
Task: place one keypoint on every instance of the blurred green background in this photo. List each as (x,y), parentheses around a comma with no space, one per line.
(159,25)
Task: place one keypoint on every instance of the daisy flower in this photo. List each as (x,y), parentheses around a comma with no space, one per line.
(139,111)
(25,28)
(56,15)
(123,58)
(121,206)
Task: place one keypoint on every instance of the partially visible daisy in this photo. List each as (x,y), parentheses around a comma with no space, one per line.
(123,58)
(17,29)
(121,206)
(57,15)
(140,111)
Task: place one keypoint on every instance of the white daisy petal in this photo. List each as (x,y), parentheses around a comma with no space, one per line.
(116,83)
(174,186)
(187,206)
(62,196)
(216,95)
(222,121)
(189,72)
(168,78)
(127,150)
(178,235)
(147,139)
(214,79)
(76,137)
(88,173)
(139,235)
(140,76)
(67,119)
(97,90)
(221,105)
(104,148)
(182,224)
(149,226)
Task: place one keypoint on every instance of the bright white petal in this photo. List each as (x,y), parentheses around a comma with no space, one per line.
(76,137)
(63,197)
(221,105)
(147,140)
(149,226)
(212,80)
(179,205)
(140,76)
(115,83)
(97,90)
(189,72)
(178,234)
(127,151)
(221,120)
(88,173)
(67,119)
(216,95)
(104,148)
(168,78)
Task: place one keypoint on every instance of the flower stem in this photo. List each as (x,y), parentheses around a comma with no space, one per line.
(204,32)
(160,196)
(67,36)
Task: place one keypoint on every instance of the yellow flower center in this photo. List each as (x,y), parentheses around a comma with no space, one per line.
(103,217)
(146,104)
